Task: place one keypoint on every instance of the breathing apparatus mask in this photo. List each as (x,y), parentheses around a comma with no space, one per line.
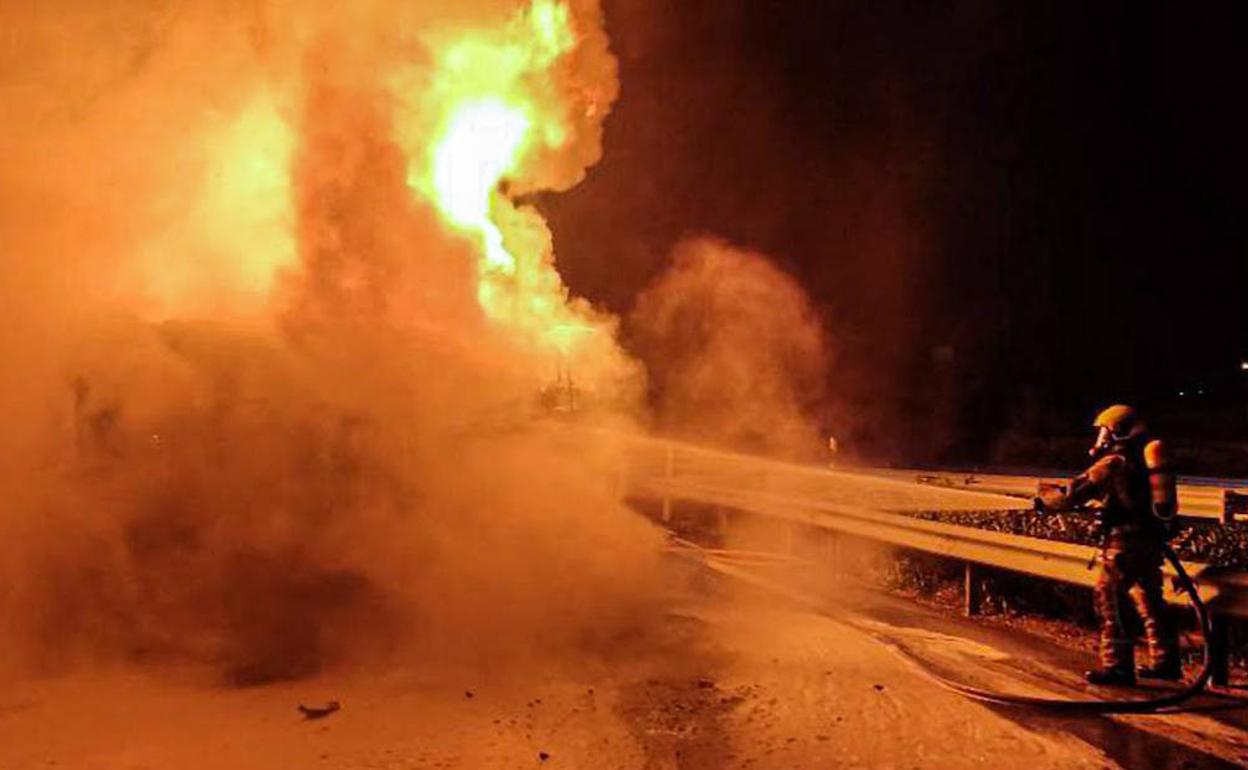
(1103,443)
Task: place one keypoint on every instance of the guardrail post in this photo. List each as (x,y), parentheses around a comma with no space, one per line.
(1219,648)
(1232,503)
(972,591)
(669,465)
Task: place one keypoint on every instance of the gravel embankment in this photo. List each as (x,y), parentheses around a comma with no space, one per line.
(1211,542)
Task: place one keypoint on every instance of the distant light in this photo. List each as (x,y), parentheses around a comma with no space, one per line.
(1182,393)
(1243,366)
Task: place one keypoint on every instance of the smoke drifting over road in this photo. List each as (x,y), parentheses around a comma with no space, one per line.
(735,351)
(275,326)
(266,407)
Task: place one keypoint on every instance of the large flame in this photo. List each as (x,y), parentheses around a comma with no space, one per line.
(323,203)
(484,107)
(492,111)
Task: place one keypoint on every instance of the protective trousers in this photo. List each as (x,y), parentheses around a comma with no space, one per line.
(1130,571)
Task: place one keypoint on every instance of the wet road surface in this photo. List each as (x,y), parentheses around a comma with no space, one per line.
(731,676)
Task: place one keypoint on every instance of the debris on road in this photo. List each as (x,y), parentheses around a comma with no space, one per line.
(319,712)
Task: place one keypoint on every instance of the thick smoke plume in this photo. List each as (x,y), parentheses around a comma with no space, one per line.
(257,413)
(736,353)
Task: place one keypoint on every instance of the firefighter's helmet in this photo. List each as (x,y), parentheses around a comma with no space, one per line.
(1115,425)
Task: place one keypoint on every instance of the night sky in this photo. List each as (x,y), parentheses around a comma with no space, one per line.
(1010,214)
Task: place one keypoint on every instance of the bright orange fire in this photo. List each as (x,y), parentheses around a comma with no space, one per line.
(219,250)
(491,113)
(482,110)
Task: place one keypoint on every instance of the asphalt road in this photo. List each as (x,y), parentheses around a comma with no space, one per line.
(730,676)
(1209,732)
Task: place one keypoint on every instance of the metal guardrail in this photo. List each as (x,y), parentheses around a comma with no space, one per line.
(865,507)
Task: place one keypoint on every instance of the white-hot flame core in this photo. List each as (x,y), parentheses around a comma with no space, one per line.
(482,144)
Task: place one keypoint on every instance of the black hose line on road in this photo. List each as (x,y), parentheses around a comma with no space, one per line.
(714,559)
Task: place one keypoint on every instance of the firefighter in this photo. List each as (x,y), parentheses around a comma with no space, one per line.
(1132,484)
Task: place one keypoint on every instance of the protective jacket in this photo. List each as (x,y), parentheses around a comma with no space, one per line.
(1133,486)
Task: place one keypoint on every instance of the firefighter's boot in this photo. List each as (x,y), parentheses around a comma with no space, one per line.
(1167,670)
(1114,676)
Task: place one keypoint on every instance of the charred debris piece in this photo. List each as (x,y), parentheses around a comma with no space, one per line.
(319,712)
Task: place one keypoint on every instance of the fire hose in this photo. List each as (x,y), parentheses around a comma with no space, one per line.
(733,568)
